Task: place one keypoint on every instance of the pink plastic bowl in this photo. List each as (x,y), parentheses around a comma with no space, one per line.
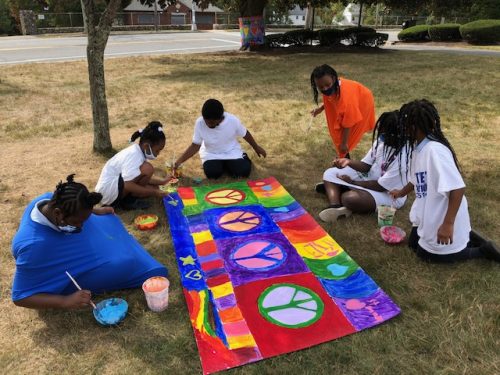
(392,234)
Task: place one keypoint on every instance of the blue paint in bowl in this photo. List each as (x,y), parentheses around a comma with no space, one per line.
(111,311)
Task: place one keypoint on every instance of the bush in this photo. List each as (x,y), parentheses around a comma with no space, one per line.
(482,31)
(290,38)
(363,36)
(300,37)
(369,39)
(445,32)
(414,33)
(274,40)
(330,37)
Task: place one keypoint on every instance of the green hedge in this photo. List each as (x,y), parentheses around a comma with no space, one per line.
(300,37)
(481,32)
(414,33)
(369,39)
(330,37)
(445,32)
(352,36)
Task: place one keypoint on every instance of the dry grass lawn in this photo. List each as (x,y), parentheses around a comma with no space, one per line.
(450,321)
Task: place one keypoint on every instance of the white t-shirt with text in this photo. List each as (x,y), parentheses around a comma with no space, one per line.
(434,174)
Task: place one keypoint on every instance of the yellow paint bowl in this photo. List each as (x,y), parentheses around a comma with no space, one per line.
(146,222)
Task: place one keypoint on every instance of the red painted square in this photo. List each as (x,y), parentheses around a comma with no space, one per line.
(186,193)
(207,266)
(273,339)
(206,248)
(217,280)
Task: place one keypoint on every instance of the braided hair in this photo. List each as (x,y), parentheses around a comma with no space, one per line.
(320,72)
(71,197)
(152,134)
(394,142)
(423,115)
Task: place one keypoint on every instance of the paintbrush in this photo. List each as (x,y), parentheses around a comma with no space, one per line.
(79,288)
(310,124)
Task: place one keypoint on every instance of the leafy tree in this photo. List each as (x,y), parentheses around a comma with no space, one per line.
(7,23)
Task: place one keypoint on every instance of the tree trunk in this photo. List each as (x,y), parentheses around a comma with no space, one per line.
(99,29)
(95,60)
(249,8)
(360,13)
(252,26)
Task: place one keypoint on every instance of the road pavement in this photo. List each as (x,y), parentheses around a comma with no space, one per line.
(28,49)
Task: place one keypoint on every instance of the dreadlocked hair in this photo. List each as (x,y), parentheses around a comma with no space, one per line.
(320,72)
(71,197)
(423,115)
(153,133)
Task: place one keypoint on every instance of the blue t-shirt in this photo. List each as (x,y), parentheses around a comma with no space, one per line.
(102,257)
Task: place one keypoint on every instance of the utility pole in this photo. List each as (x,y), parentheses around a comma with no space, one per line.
(193,21)
(84,18)
(155,15)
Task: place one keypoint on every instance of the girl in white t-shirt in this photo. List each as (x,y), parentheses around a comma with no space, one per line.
(128,175)
(439,215)
(361,186)
(216,136)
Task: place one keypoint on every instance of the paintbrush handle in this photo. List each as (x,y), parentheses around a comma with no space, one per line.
(79,288)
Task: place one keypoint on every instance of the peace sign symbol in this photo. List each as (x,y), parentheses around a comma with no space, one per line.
(259,255)
(290,305)
(239,221)
(225,197)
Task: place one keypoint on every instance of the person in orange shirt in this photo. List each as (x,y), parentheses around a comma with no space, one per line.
(348,105)
(349,109)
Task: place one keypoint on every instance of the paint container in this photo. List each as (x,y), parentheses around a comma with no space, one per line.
(156,292)
(385,215)
(170,170)
(392,234)
(146,222)
(111,311)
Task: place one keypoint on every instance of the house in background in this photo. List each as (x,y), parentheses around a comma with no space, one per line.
(180,13)
(297,16)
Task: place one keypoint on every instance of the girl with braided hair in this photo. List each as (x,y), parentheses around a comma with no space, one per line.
(128,175)
(62,232)
(441,225)
(361,186)
(348,105)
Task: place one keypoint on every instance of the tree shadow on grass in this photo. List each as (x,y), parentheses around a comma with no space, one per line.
(7,88)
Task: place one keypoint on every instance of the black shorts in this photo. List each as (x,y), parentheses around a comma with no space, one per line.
(121,185)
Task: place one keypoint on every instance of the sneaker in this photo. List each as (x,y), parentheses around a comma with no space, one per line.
(320,188)
(331,214)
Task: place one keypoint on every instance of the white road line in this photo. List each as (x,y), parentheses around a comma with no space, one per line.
(225,40)
(63,58)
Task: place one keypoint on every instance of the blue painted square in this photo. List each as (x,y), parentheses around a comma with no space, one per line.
(239,221)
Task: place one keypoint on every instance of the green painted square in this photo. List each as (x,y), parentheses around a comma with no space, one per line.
(223,195)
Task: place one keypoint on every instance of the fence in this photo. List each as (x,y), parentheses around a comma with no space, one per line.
(67,22)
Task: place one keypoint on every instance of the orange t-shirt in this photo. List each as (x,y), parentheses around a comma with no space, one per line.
(354,109)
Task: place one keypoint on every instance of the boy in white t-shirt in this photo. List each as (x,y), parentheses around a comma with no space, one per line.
(361,186)
(441,225)
(216,136)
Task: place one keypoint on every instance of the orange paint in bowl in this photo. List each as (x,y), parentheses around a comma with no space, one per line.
(146,222)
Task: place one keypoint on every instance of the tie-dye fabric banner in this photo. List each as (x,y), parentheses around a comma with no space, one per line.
(261,277)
